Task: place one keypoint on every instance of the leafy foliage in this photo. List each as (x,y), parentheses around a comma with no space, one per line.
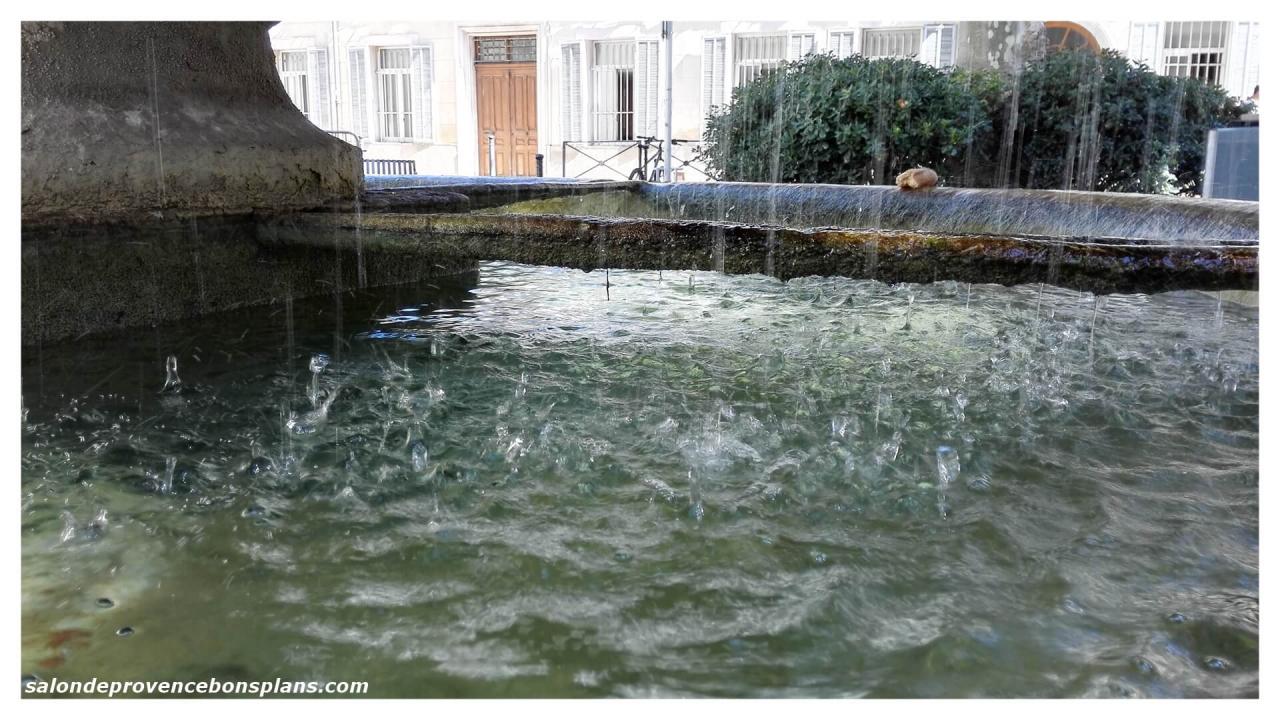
(1070,120)
(845,121)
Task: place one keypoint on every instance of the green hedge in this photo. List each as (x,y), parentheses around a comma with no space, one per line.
(1070,120)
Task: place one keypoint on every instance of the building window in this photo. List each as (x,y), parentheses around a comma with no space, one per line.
(1143,43)
(891,42)
(1195,49)
(1069,36)
(613,90)
(756,55)
(293,73)
(395,95)
(801,44)
(571,91)
(938,45)
(305,76)
(842,43)
(712,74)
(515,48)
(403,81)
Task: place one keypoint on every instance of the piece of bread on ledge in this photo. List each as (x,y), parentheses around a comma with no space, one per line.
(921,178)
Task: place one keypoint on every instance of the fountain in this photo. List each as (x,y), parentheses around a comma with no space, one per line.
(793,440)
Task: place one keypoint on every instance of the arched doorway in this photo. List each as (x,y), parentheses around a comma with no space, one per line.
(1064,35)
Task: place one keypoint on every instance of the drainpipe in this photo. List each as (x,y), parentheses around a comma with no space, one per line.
(666,98)
(335,80)
(493,161)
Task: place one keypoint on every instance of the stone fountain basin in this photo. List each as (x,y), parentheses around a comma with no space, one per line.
(1094,264)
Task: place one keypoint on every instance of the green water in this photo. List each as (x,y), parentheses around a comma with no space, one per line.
(527,483)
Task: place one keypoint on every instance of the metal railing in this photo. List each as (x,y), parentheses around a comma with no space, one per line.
(585,149)
(390,167)
(341,135)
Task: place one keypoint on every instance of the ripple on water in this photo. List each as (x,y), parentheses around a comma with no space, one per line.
(695,484)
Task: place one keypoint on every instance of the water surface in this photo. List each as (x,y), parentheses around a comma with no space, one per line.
(681,484)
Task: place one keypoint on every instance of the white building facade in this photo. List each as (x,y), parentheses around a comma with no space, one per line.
(582,94)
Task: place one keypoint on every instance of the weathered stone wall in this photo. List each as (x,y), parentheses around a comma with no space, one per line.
(91,279)
(122,121)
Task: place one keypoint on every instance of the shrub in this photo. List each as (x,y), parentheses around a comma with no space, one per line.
(1068,120)
(847,121)
(1095,121)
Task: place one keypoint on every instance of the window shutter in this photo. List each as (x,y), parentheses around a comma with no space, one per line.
(712,74)
(1251,63)
(571,91)
(1242,67)
(948,42)
(1142,44)
(420,67)
(359,97)
(318,77)
(647,87)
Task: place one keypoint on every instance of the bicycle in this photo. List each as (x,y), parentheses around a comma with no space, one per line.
(657,172)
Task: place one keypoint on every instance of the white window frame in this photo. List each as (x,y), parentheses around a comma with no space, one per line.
(314,81)
(1182,61)
(795,45)
(833,43)
(415,116)
(1145,41)
(935,52)
(611,119)
(400,81)
(757,65)
(911,33)
(297,80)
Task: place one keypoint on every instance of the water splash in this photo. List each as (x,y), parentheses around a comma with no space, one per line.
(166,480)
(311,421)
(319,362)
(172,383)
(418,456)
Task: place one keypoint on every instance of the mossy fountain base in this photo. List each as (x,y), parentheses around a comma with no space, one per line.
(592,243)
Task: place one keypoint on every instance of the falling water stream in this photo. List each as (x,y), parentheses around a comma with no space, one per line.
(525,483)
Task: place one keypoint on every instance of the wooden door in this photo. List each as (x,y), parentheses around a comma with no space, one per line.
(507,108)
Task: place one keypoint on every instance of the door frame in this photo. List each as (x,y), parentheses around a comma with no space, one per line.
(465,76)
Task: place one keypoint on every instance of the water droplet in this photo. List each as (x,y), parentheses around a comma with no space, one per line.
(105,603)
(319,362)
(166,482)
(418,455)
(125,631)
(1176,618)
(259,465)
(948,465)
(1217,663)
(68,526)
(172,383)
